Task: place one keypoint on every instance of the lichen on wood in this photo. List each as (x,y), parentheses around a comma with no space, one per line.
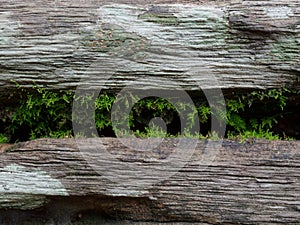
(243,44)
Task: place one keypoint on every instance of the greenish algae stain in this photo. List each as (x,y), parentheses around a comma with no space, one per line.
(287,49)
(164,19)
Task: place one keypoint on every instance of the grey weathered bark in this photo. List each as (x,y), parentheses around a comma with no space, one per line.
(62,44)
(246,183)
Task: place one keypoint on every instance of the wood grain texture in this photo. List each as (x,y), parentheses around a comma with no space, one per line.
(256,182)
(112,44)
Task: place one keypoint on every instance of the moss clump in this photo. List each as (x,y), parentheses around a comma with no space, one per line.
(39,112)
(3,138)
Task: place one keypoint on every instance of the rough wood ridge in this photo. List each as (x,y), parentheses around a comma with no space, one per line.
(62,44)
(247,183)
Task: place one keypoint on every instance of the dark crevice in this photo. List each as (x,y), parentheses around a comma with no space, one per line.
(89,210)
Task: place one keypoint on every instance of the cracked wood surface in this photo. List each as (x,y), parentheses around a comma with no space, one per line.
(111,44)
(256,182)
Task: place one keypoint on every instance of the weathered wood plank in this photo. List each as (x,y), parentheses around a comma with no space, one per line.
(246,183)
(62,44)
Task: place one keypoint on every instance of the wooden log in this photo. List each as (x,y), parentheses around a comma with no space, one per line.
(111,44)
(255,182)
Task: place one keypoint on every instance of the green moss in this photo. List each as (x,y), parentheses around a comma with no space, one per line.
(3,138)
(48,113)
(40,113)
